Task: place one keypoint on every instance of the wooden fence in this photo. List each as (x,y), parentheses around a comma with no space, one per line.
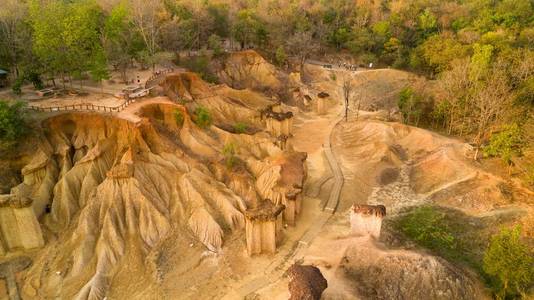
(155,78)
(100,108)
(83,107)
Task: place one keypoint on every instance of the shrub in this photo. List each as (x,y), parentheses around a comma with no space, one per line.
(229,152)
(35,79)
(427,227)
(240,127)
(333,76)
(12,124)
(510,264)
(203,117)
(410,106)
(200,65)
(368,58)
(280,56)
(179,117)
(214,43)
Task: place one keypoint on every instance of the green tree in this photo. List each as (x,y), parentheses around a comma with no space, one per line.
(427,23)
(120,41)
(66,36)
(427,226)
(505,144)
(510,263)
(280,56)
(438,52)
(409,104)
(99,67)
(480,61)
(248,28)
(214,43)
(12,124)
(15,37)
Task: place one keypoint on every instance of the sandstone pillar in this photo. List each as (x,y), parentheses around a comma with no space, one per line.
(19,227)
(262,227)
(321,103)
(292,201)
(367,219)
(320,109)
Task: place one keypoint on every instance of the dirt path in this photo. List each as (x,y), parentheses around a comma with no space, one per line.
(309,140)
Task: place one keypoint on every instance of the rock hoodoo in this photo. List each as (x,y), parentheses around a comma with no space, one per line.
(367,219)
(278,123)
(320,107)
(19,227)
(306,282)
(263,225)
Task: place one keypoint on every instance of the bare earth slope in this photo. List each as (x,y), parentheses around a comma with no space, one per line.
(118,186)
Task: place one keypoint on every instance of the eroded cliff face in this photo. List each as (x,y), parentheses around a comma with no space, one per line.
(107,187)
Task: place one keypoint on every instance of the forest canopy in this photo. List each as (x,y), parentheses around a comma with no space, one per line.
(480,51)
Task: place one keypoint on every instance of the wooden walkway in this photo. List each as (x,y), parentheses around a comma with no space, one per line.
(83,107)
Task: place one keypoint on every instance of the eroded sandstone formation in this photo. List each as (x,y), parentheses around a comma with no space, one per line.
(19,227)
(263,226)
(113,186)
(306,282)
(367,219)
(278,122)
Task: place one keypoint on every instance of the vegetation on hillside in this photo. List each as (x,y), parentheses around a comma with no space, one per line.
(203,117)
(502,259)
(12,123)
(481,52)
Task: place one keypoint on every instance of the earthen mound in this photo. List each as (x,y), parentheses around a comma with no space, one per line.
(185,86)
(378,274)
(248,69)
(306,282)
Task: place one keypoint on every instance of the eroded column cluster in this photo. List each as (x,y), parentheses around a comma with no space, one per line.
(264,222)
(263,225)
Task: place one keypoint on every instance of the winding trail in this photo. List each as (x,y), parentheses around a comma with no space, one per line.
(335,193)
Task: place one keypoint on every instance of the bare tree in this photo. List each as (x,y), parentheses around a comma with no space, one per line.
(147,17)
(491,102)
(348,89)
(301,45)
(361,95)
(456,85)
(15,39)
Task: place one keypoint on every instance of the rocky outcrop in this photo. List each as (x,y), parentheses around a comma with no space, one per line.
(247,69)
(185,86)
(263,226)
(116,187)
(367,219)
(19,227)
(278,122)
(399,274)
(306,282)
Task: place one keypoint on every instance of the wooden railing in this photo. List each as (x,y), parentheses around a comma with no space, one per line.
(156,77)
(83,107)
